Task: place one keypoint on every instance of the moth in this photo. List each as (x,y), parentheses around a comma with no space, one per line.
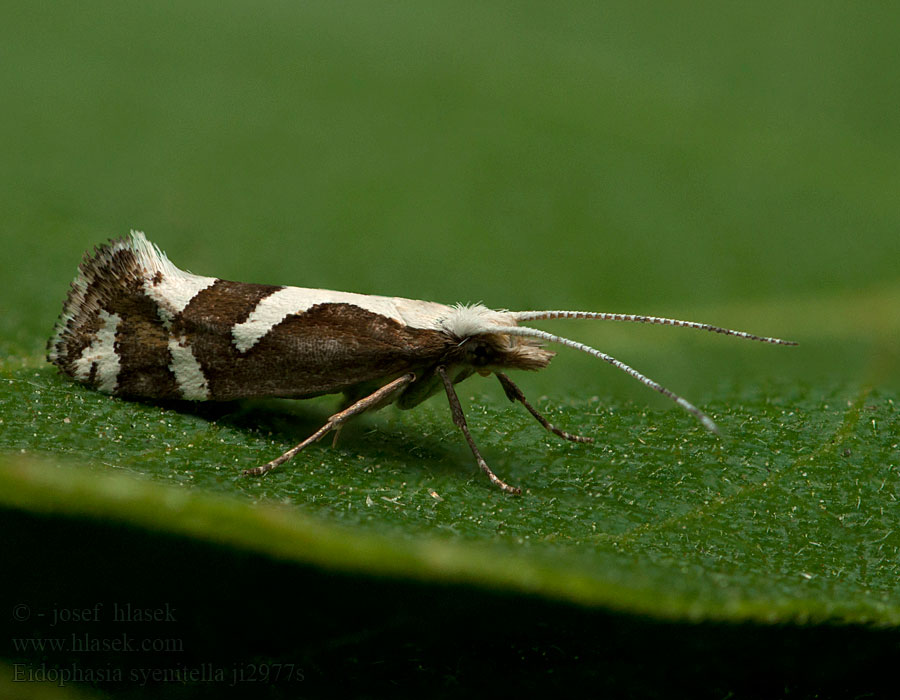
(134,325)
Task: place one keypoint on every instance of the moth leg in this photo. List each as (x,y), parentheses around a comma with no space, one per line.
(336,421)
(345,404)
(460,420)
(514,393)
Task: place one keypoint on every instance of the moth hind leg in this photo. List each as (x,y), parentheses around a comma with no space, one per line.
(336,421)
(514,393)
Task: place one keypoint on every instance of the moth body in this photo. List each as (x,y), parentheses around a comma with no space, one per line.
(134,325)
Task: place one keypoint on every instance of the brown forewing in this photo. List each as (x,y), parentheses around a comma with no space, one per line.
(326,349)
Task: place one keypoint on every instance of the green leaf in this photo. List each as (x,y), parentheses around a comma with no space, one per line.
(789,517)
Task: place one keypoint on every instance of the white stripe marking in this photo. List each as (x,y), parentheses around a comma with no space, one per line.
(175,291)
(102,352)
(295,300)
(187,370)
(176,287)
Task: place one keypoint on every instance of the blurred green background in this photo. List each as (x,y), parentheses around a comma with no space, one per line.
(736,164)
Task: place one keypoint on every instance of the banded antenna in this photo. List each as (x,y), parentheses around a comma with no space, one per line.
(526,332)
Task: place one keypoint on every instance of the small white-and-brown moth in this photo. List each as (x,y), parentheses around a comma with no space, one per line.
(134,325)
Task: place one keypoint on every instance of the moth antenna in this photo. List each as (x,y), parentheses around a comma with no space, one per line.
(633,318)
(618,364)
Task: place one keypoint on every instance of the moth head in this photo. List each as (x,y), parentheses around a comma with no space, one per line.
(488,352)
(482,341)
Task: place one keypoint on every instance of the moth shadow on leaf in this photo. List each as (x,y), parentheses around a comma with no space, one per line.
(376,435)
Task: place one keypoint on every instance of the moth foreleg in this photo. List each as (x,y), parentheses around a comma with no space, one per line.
(459,420)
(336,421)
(514,393)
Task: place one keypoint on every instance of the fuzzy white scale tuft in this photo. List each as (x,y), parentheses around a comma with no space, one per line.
(466,320)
